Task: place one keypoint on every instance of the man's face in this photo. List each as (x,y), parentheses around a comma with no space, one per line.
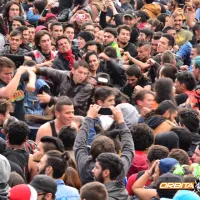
(163,45)
(57,31)
(147,102)
(13,11)
(15,42)
(110,101)
(81,42)
(45,43)
(178,86)
(38,152)
(93,63)
(142,37)
(31,34)
(129,21)
(178,21)
(25,37)
(80,74)
(195,71)
(42,165)
(6,74)
(98,173)
(15,24)
(143,53)
(92,48)
(172,33)
(193,53)
(66,115)
(132,80)
(99,37)
(63,45)
(154,44)
(124,36)
(108,39)
(69,32)
(90,28)
(196,155)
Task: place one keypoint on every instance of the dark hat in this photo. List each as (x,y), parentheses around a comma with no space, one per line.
(44,183)
(130,13)
(166,164)
(103,78)
(87,36)
(56,141)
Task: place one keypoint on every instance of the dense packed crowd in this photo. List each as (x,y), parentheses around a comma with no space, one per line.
(99,99)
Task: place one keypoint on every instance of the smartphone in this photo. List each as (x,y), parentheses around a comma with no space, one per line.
(80,16)
(105,111)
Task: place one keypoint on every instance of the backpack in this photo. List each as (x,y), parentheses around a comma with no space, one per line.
(20,157)
(194,99)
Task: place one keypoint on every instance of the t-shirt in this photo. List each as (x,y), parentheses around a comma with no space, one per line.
(181,98)
(131,48)
(183,36)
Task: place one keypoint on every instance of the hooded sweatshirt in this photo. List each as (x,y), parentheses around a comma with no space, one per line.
(152,9)
(4,189)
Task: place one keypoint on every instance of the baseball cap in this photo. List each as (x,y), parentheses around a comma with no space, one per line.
(50,15)
(5,169)
(44,184)
(166,164)
(103,78)
(39,28)
(130,13)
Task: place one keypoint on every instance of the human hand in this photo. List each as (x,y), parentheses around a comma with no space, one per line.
(144,111)
(151,62)
(104,56)
(93,111)
(184,68)
(48,63)
(138,88)
(127,54)
(117,114)
(150,171)
(44,97)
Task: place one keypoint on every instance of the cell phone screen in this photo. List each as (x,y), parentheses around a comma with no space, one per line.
(105,111)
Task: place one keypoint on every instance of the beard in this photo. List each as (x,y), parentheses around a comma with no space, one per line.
(42,171)
(99,178)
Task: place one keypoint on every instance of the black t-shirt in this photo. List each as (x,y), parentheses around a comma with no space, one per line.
(181,98)
(131,48)
(17,100)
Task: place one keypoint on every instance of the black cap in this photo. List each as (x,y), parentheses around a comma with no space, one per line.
(44,184)
(103,78)
(130,13)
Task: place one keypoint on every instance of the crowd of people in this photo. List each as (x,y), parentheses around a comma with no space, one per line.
(99,100)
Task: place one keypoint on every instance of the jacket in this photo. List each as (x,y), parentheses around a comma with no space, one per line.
(85,163)
(152,9)
(60,63)
(116,191)
(65,86)
(6,50)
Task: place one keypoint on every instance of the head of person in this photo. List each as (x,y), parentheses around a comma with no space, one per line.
(104,96)
(11,10)
(166,43)
(196,67)
(178,21)
(144,51)
(5,172)
(168,71)
(93,45)
(196,29)
(180,155)
(185,137)
(167,109)
(154,42)
(103,79)
(111,52)
(88,26)
(67,135)
(164,90)
(5,108)
(196,155)
(99,36)
(97,28)
(94,190)
(170,30)
(68,30)
(143,136)
(80,71)
(83,38)
(129,18)
(168,57)
(189,118)
(144,99)
(56,29)
(43,40)
(195,52)
(110,36)
(15,40)
(145,35)
(124,34)
(133,74)
(46,144)
(38,6)
(163,17)
(54,164)
(184,81)
(31,30)
(64,110)
(142,16)
(25,33)
(7,122)
(18,133)
(108,167)
(63,44)
(17,22)
(45,186)
(93,61)
(15,179)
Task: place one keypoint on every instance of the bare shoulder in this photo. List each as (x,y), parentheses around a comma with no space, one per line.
(44,130)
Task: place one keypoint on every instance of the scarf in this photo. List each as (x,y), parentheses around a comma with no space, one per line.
(69,57)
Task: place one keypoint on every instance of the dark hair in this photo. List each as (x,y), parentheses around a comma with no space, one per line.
(144,43)
(112,162)
(170,38)
(67,135)
(81,63)
(185,137)
(15,179)
(187,79)
(83,26)
(90,53)
(63,101)
(164,90)
(180,155)
(38,36)
(143,15)
(157,152)
(162,17)
(39,5)
(97,25)
(148,1)
(101,144)
(7,8)
(6,62)
(134,70)
(120,97)
(147,32)
(196,27)
(55,24)
(29,63)
(157,24)
(58,161)
(67,25)
(142,135)
(157,35)
(140,95)
(189,118)
(22,29)
(15,33)
(164,106)
(19,19)
(7,122)
(94,190)
(18,132)
(126,27)
(168,57)
(102,93)
(5,106)
(110,52)
(165,30)
(112,31)
(169,71)
(97,44)
(62,37)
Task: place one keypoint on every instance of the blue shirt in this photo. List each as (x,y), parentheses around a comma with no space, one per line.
(65,192)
